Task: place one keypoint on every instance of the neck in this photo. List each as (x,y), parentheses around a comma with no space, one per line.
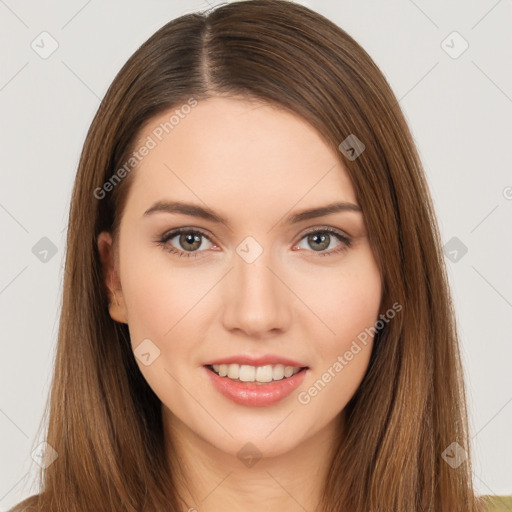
(211,479)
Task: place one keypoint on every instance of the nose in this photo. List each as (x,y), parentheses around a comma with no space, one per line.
(257,301)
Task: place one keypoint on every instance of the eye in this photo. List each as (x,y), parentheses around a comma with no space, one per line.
(190,240)
(321,239)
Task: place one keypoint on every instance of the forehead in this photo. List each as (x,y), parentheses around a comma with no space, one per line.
(228,151)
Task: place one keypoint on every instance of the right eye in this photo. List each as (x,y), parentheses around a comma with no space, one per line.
(190,241)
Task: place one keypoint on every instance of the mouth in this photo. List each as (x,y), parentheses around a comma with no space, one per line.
(255,386)
(255,374)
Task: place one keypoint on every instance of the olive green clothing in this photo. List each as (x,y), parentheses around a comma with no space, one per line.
(498,503)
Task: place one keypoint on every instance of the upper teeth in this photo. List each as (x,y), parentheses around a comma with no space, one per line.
(247,373)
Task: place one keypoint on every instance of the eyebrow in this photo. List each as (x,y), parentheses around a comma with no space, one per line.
(206,213)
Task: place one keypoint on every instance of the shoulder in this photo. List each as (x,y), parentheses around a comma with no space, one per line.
(497,503)
(30,504)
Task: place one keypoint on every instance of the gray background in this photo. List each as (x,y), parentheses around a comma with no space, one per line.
(459,109)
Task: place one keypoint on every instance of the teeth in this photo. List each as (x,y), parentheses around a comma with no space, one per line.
(247,373)
(233,371)
(278,372)
(264,373)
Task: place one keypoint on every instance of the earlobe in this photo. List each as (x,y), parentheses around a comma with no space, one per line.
(117,308)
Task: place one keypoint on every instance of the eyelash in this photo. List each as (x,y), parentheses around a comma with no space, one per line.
(346,242)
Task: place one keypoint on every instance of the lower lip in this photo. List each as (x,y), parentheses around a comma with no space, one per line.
(256,395)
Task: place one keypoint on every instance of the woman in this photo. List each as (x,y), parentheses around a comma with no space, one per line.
(209,356)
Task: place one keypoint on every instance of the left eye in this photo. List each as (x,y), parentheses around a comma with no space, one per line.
(323,238)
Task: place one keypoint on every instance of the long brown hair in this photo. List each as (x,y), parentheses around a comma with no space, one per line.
(105,421)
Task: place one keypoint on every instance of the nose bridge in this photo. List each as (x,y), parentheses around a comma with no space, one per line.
(256,300)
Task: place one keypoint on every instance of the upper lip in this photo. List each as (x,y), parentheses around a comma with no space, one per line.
(257,361)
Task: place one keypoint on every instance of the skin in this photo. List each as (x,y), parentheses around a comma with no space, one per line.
(254,164)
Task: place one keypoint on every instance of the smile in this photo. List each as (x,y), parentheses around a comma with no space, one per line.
(248,373)
(259,388)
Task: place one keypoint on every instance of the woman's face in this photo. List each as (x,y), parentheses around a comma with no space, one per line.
(268,282)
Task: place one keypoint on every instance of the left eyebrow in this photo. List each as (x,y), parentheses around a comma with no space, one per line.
(195,210)
(312,213)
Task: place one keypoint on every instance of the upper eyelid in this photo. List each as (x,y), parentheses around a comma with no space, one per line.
(177,231)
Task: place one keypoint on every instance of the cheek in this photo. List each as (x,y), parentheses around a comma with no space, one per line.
(159,296)
(162,305)
(348,300)
(349,307)
(151,299)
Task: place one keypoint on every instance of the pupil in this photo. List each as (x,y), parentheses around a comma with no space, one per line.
(191,239)
(324,237)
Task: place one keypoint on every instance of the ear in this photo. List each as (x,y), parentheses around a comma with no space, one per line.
(117,308)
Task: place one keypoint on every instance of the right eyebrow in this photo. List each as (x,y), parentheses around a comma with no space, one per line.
(186,209)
